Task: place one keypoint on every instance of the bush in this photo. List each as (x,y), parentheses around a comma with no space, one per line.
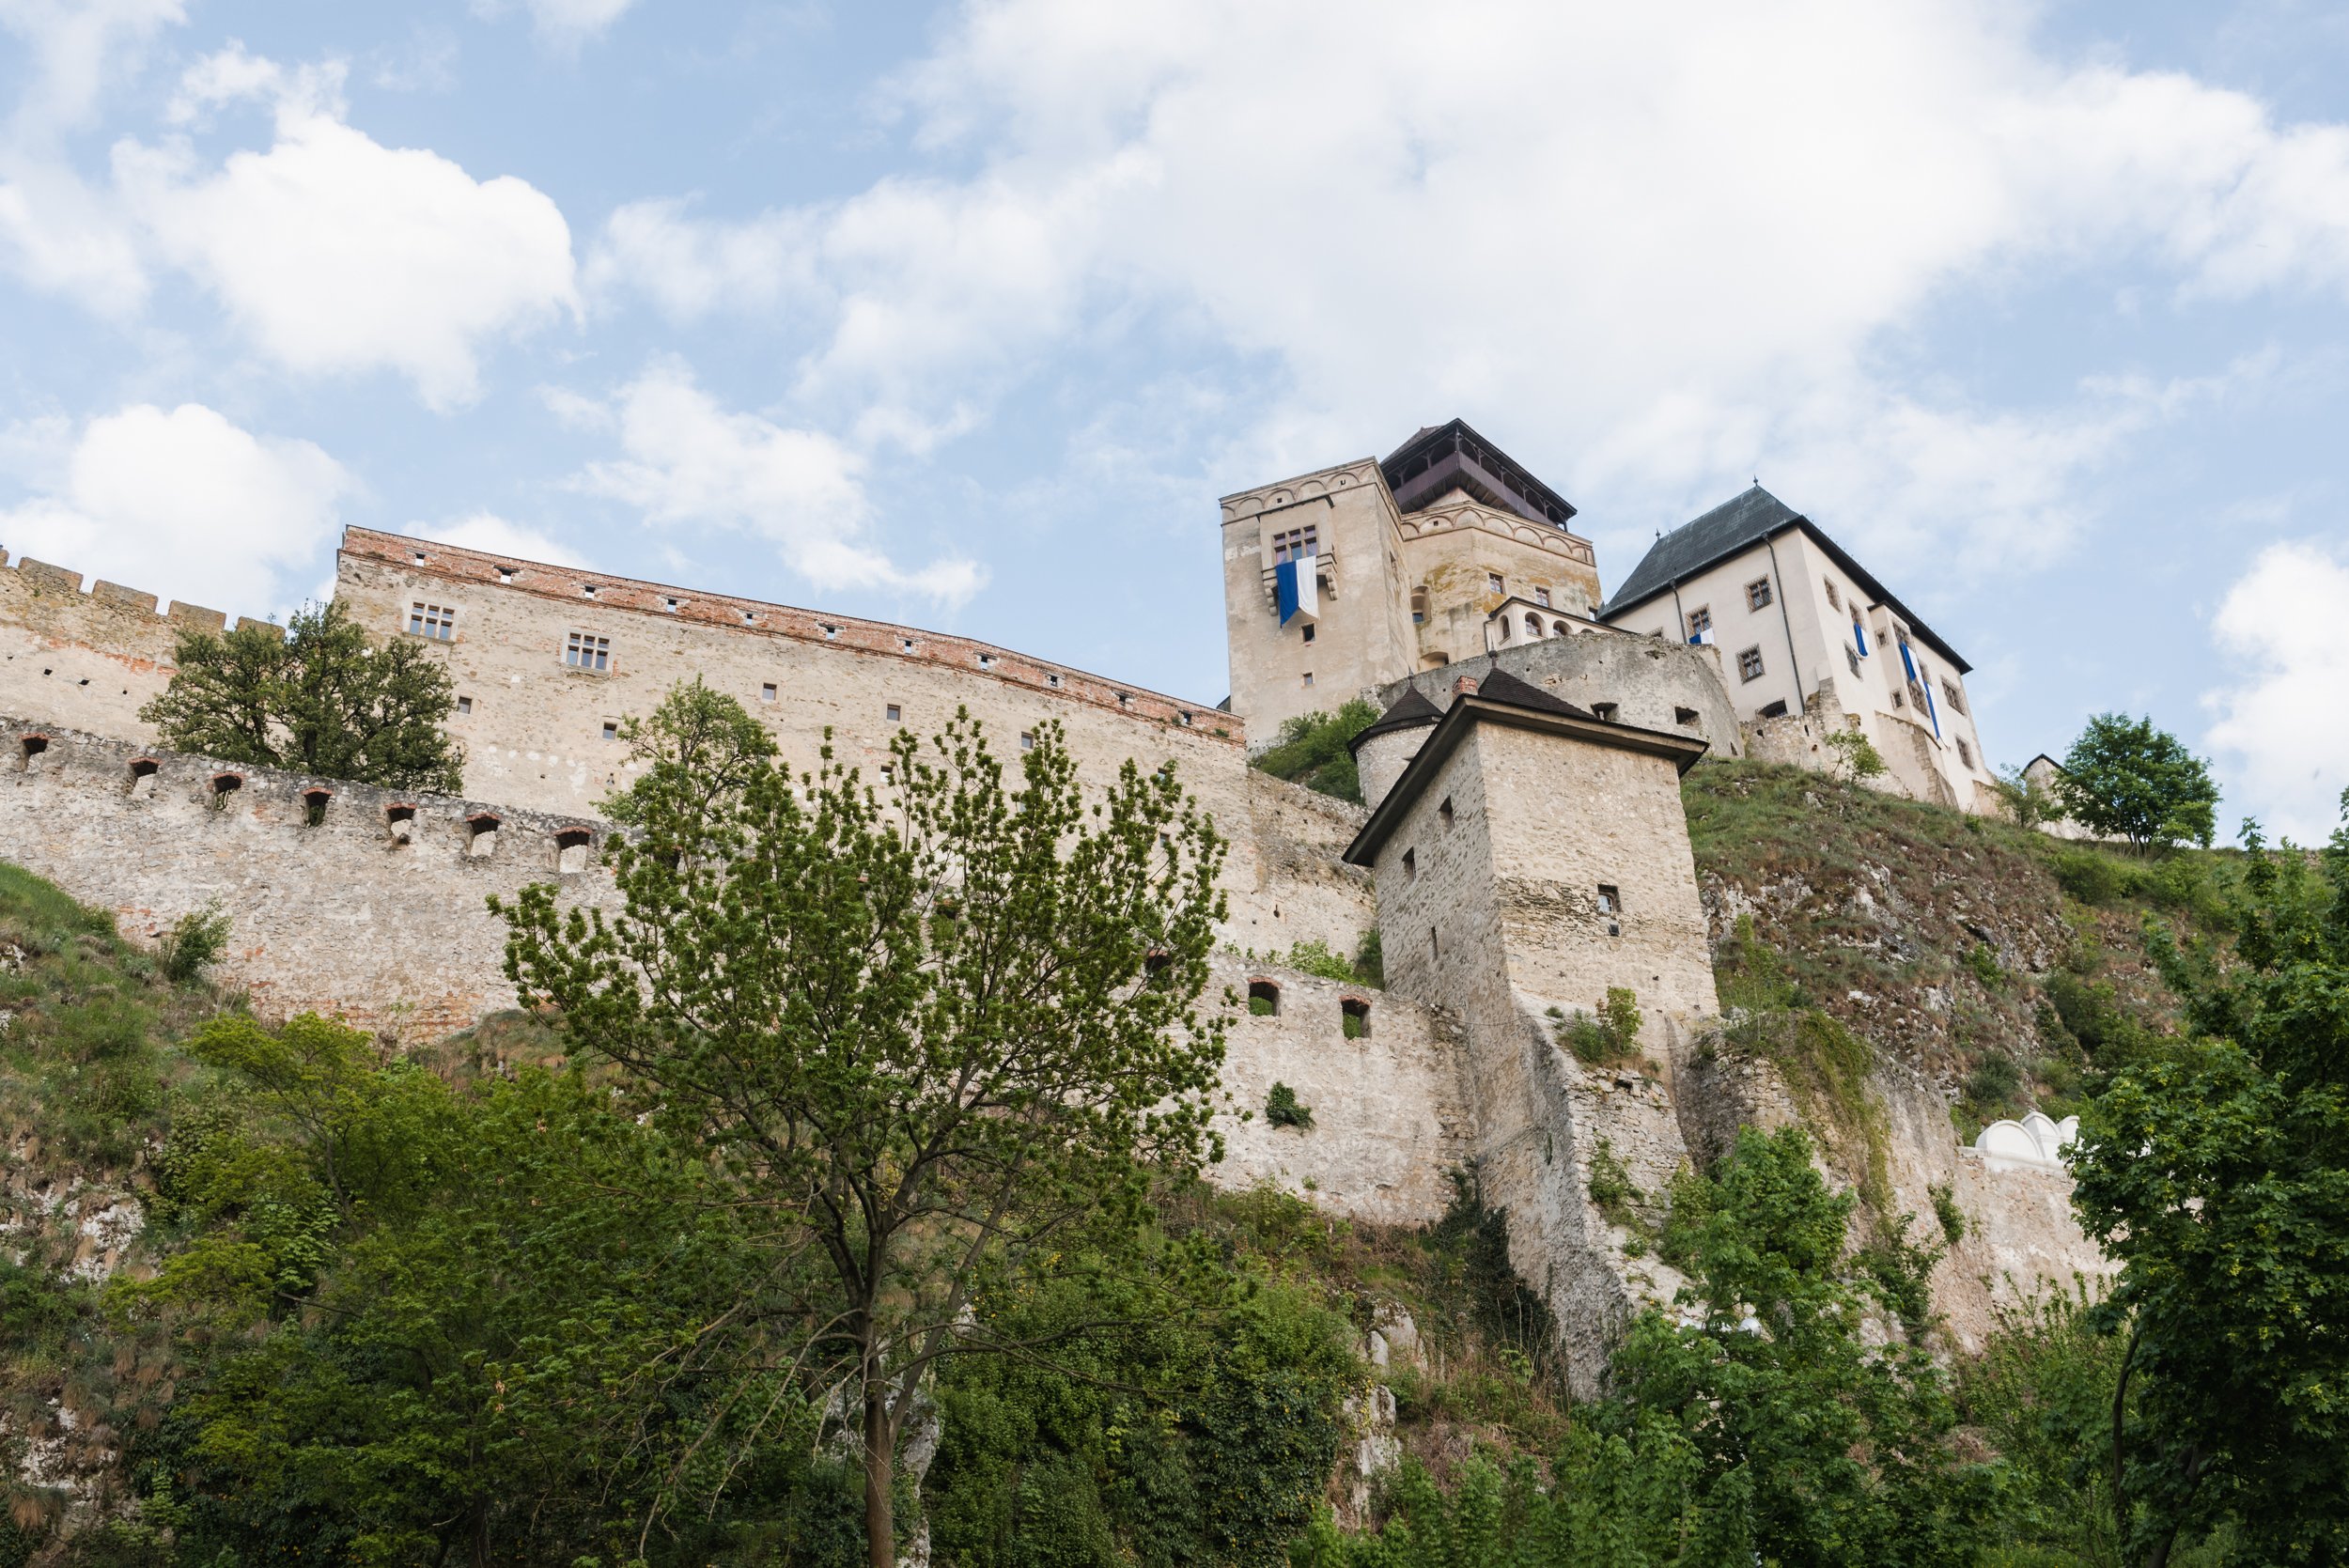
(1995,1085)
(195,944)
(1314,957)
(1281,1109)
(1312,750)
(1610,1035)
(2089,876)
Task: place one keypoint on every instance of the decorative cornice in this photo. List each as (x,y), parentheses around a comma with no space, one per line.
(1309,487)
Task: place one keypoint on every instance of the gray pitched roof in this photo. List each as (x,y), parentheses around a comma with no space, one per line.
(1503,687)
(1693,545)
(1734,525)
(1410,709)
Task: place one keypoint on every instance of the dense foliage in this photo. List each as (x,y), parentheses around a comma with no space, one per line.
(939,1041)
(2125,779)
(316,697)
(2217,1171)
(1312,750)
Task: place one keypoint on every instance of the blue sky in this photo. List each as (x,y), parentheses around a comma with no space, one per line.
(965,316)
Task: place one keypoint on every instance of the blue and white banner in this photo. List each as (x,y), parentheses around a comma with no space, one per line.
(1296,589)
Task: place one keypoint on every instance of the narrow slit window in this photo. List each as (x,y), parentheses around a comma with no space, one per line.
(1445,813)
(1410,864)
(1604,710)
(1309,632)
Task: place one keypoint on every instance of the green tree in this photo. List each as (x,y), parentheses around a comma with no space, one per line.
(1815,1446)
(1312,750)
(711,746)
(317,698)
(935,1039)
(451,1326)
(2217,1171)
(2123,778)
(1856,759)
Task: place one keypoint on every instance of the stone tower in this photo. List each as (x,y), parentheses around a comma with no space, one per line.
(1528,855)
(1446,548)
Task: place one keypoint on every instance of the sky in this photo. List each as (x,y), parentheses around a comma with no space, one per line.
(964,317)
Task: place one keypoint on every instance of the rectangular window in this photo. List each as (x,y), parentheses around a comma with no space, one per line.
(611,730)
(1964,753)
(1053,681)
(669,604)
(587,651)
(1700,621)
(892,713)
(464,704)
(1309,677)
(1851,658)
(1492,582)
(1541,597)
(1309,632)
(1295,545)
(1410,864)
(1749,664)
(1027,740)
(1956,698)
(767,691)
(436,621)
(1758,594)
(1834,600)
(1609,900)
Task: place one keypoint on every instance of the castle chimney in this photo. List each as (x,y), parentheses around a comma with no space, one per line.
(1464,686)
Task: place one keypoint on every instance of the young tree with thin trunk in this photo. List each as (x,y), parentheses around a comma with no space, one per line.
(940,1031)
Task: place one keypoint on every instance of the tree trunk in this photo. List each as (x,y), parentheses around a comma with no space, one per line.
(880,1475)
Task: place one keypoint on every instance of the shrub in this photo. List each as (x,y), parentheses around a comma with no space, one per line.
(1856,758)
(1262,1007)
(1984,964)
(1610,1035)
(1995,1085)
(1370,959)
(2089,876)
(1312,750)
(1281,1109)
(1314,957)
(195,944)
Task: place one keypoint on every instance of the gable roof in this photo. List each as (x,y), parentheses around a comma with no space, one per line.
(1738,524)
(1504,698)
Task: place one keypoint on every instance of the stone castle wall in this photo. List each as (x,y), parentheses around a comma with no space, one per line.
(386,922)
(1654,684)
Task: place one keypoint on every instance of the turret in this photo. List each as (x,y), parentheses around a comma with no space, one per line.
(1384,749)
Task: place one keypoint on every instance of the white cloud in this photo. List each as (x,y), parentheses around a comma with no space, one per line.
(338,255)
(562,24)
(496,536)
(688,462)
(77,45)
(2279,722)
(182,504)
(1649,245)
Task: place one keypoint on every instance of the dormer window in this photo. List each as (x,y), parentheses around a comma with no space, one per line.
(670,604)
(505,575)
(587,590)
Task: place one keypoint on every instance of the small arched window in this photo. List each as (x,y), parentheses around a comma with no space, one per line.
(1263,999)
(570,848)
(1533,627)
(1354,1018)
(400,818)
(33,746)
(481,834)
(224,786)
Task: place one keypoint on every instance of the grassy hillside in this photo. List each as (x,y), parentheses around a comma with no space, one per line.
(2004,963)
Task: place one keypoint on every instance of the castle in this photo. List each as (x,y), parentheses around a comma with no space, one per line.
(1522,850)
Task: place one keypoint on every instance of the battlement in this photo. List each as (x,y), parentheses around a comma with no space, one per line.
(754,618)
(42,579)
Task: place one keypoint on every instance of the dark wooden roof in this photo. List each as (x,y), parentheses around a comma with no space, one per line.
(1444,457)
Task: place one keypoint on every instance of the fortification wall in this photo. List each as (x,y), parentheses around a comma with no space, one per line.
(360,916)
(348,917)
(1651,683)
(89,659)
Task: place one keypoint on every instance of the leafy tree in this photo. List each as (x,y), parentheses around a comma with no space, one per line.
(712,744)
(936,1041)
(1813,1444)
(317,698)
(456,1328)
(1312,750)
(2217,1172)
(2124,779)
(2029,804)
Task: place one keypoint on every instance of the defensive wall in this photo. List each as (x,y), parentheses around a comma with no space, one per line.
(371,905)
(1644,681)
